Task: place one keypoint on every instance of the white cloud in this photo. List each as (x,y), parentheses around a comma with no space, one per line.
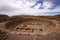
(37,6)
(24,7)
(47,4)
(57,9)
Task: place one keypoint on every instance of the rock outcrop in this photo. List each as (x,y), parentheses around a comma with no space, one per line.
(4,18)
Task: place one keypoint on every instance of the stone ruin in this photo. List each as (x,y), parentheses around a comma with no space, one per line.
(41,27)
(30,28)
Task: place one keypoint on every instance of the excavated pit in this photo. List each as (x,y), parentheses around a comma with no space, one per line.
(30,28)
(41,27)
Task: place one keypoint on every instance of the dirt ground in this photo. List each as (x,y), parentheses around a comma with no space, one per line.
(11,33)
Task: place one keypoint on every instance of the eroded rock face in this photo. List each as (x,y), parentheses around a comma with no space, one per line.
(3,35)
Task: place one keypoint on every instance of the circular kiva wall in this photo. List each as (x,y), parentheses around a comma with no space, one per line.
(41,27)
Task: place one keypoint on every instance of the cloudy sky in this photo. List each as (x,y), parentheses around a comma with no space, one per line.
(30,7)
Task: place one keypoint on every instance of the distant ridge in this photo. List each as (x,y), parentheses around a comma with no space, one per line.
(19,17)
(16,19)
